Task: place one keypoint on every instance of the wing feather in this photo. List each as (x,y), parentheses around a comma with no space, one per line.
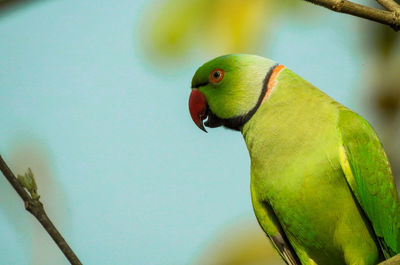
(284,249)
(370,178)
(269,222)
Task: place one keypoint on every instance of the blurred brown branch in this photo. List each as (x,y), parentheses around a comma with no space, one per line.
(390,17)
(392,261)
(9,3)
(35,207)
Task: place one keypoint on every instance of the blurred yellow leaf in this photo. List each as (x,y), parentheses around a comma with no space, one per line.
(173,29)
(242,243)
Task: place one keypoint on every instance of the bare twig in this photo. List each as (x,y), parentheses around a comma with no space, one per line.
(390,18)
(35,207)
(392,261)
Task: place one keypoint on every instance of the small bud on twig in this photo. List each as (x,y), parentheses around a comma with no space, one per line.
(28,182)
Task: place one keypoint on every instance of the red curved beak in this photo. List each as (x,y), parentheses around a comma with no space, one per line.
(198,107)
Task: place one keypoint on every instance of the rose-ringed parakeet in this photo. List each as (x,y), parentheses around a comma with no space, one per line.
(321,185)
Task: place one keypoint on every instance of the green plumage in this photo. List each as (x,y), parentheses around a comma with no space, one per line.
(321,184)
(370,178)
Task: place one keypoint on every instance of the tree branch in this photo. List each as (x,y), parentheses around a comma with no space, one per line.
(392,261)
(390,18)
(35,207)
(390,5)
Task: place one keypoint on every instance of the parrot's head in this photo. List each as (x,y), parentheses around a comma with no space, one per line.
(228,90)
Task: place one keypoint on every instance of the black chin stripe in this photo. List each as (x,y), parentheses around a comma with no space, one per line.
(236,123)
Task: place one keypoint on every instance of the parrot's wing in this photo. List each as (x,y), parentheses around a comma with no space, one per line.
(270,224)
(285,250)
(369,176)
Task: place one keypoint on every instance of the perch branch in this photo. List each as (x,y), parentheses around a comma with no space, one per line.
(392,261)
(390,5)
(35,207)
(390,18)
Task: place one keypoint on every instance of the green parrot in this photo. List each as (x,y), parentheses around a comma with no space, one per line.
(321,184)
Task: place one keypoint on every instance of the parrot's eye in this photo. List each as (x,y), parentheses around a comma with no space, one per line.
(216,75)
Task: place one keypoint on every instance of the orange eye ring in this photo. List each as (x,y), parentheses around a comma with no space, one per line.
(216,75)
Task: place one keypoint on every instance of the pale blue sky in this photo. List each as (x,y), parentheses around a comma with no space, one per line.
(143,184)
